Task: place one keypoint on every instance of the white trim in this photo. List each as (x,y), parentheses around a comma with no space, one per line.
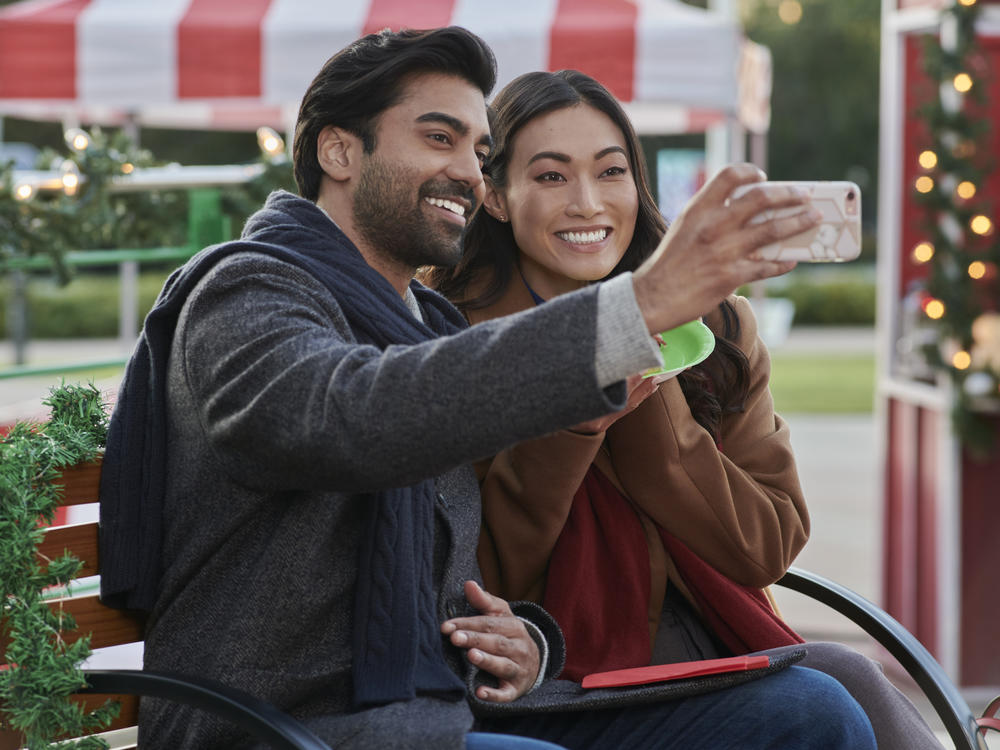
(910,20)
(989,20)
(949,543)
(887,311)
(913,392)
(652,118)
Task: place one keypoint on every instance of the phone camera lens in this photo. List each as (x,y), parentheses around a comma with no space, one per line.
(850,195)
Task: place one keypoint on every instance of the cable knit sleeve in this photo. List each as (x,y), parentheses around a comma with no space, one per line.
(739,507)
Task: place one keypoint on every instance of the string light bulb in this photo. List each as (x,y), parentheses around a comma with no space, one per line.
(965,190)
(24,191)
(934,309)
(790,12)
(927,159)
(77,139)
(70,176)
(977,269)
(967,3)
(923,252)
(270,142)
(961,360)
(924,184)
(962,83)
(981,225)
(128,168)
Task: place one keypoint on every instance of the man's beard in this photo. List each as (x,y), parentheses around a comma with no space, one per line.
(398,227)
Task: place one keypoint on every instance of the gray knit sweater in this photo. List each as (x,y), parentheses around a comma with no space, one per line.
(279,423)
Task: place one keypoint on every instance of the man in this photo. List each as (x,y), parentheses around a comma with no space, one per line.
(287,486)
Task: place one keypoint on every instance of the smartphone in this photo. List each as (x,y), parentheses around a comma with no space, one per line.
(835,239)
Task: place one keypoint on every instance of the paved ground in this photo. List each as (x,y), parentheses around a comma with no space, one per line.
(837,457)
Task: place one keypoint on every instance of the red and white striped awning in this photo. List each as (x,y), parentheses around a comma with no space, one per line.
(239,55)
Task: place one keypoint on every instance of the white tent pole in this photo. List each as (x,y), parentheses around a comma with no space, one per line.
(721,146)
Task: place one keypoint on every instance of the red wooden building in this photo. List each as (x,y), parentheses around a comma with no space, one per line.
(941,505)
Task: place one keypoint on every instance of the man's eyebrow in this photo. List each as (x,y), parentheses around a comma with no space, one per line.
(455,124)
(452,122)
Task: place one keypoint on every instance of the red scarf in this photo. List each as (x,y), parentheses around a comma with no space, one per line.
(598,588)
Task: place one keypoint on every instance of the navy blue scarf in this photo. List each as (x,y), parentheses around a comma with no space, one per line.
(397,643)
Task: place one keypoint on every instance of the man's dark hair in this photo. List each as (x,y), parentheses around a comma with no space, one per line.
(366,78)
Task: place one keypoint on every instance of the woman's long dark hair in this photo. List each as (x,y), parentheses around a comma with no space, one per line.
(717,386)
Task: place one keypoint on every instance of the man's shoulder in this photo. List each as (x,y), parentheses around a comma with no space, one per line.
(244,281)
(244,257)
(242,266)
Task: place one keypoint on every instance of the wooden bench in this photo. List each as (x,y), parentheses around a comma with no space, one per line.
(111,627)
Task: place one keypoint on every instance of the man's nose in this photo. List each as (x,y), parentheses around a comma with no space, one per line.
(467,169)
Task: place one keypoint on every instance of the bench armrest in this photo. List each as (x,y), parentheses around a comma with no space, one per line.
(930,677)
(257,717)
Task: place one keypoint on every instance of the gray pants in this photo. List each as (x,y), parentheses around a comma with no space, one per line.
(897,723)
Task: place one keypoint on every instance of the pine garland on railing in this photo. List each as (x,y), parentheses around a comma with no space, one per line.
(960,250)
(40,670)
(82,212)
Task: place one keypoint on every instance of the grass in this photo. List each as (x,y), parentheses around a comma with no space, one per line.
(810,383)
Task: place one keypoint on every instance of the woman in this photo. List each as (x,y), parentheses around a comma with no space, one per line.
(649,533)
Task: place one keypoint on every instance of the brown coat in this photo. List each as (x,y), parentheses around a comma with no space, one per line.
(740,508)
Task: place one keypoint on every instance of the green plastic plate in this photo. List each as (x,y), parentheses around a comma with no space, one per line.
(684,347)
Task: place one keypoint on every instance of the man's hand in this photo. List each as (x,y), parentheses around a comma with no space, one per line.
(710,249)
(639,389)
(496,642)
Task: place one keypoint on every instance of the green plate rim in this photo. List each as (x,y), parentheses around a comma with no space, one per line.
(707,347)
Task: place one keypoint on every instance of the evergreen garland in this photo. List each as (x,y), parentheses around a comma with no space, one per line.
(41,670)
(960,251)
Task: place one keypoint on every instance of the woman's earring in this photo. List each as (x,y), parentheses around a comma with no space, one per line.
(502,218)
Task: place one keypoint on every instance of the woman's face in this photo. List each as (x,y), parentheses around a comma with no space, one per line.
(571,198)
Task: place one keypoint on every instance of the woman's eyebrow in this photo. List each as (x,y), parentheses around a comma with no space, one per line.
(610,150)
(558,156)
(550,155)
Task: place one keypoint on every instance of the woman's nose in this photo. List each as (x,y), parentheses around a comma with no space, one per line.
(586,200)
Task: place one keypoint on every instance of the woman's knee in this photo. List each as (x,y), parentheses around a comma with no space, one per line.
(843,663)
(813,710)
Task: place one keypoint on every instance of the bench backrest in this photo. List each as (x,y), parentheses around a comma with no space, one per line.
(107,627)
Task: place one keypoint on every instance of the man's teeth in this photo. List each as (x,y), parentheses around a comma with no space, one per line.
(583,238)
(455,208)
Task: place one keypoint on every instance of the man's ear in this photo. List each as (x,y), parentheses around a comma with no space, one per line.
(339,153)
(495,203)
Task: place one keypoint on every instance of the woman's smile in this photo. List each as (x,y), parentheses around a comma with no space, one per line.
(584,238)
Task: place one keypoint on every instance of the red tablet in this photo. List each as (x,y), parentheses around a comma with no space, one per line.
(663,672)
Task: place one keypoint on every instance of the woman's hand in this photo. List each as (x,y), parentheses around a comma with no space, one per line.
(639,389)
(496,642)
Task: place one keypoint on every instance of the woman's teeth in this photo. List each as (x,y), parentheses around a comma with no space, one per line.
(455,208)
(583,238)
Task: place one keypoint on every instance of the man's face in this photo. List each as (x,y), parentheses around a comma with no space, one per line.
(420,186)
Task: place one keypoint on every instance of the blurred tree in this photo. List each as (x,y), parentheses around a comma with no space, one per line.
(824,106)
